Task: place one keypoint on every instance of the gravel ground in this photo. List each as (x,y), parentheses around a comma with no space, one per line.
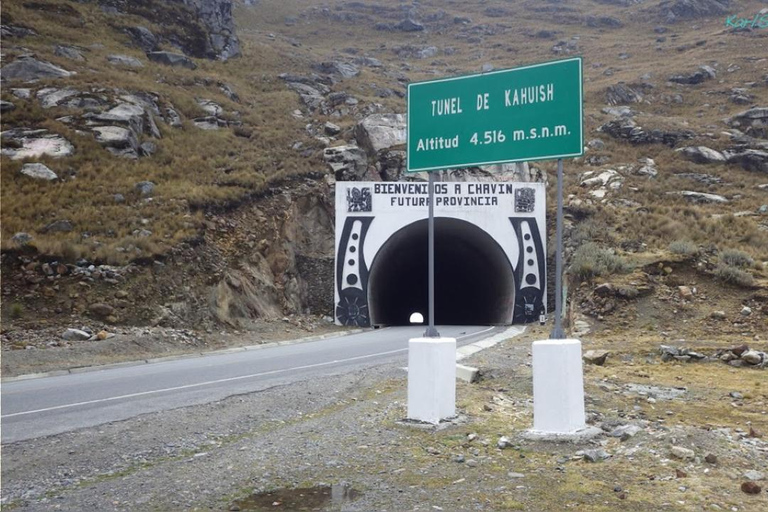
(346,428)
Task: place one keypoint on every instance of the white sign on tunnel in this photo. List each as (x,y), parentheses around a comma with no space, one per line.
(490,248)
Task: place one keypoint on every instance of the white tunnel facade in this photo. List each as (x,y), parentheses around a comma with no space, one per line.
(490,253)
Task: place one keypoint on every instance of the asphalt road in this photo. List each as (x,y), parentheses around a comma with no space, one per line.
(52,405)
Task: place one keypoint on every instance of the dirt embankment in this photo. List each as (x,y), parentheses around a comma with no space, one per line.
(260,272)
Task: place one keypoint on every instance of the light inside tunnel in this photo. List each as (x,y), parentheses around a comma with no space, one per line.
(474,281)
(416,318)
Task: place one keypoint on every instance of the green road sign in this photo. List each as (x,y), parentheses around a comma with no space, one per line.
(527,113)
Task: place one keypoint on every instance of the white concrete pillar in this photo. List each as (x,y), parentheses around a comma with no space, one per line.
(558,387)
(431,379)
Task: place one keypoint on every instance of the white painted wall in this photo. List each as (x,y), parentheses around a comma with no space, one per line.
(394,205)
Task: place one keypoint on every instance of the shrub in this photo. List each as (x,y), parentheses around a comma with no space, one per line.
(733,275)
(736,258)
(16,310)
(684,248)
(588,230)
(241,131)
(591,260)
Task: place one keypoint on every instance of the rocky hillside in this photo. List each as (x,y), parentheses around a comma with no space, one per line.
(171,162)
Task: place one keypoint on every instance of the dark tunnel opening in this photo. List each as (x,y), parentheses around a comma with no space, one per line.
(474,281)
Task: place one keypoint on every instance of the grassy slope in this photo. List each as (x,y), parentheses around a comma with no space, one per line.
(702,111)
(195,168)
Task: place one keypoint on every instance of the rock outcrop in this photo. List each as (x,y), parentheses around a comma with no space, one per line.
(27,143)
(622,94)
(216,16)
(702,155)
(171,59)
(673,11)
(701,75)
(381,131)
(348,163)
(125,60)
(39,172)
(629,130)
(750,159)
(27,69)
(143,38)
(201,28)
(700,197)
(69,52)
(753,122)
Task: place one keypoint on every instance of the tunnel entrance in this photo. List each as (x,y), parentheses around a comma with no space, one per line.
(474,281)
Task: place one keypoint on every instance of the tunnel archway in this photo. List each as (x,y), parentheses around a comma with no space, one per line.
(474,281)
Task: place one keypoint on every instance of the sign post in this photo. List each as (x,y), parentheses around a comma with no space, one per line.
(557,331)
(528,113)
(431,330)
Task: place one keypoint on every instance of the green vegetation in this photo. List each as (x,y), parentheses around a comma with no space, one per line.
(591,260)
(17,310)
(734,275)
(736,258)
(684,248)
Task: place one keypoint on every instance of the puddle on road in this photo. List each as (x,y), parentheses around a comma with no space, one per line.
(321,498)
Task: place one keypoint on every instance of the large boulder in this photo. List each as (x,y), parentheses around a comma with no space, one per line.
(125,114)
(622,94)
(409,25)
(50,97)
(118,140)
(310,95)
(21,239)
(511,172)
(27,69)
(68,52)
(216,16)
(39,172)
(343,69)
(25,143)
(172,59)
(750,159)
(210,106)
(143,38)
(144,188)
(209,123)
(700,197)
(381,131)
(702,155)
(390,164)
(629,130)
(9,31)
(603,22)
(58,226)
(125,60)
(348,163)
(701,75)
(516,172)
(200,28)
(673,11)
(753,122)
